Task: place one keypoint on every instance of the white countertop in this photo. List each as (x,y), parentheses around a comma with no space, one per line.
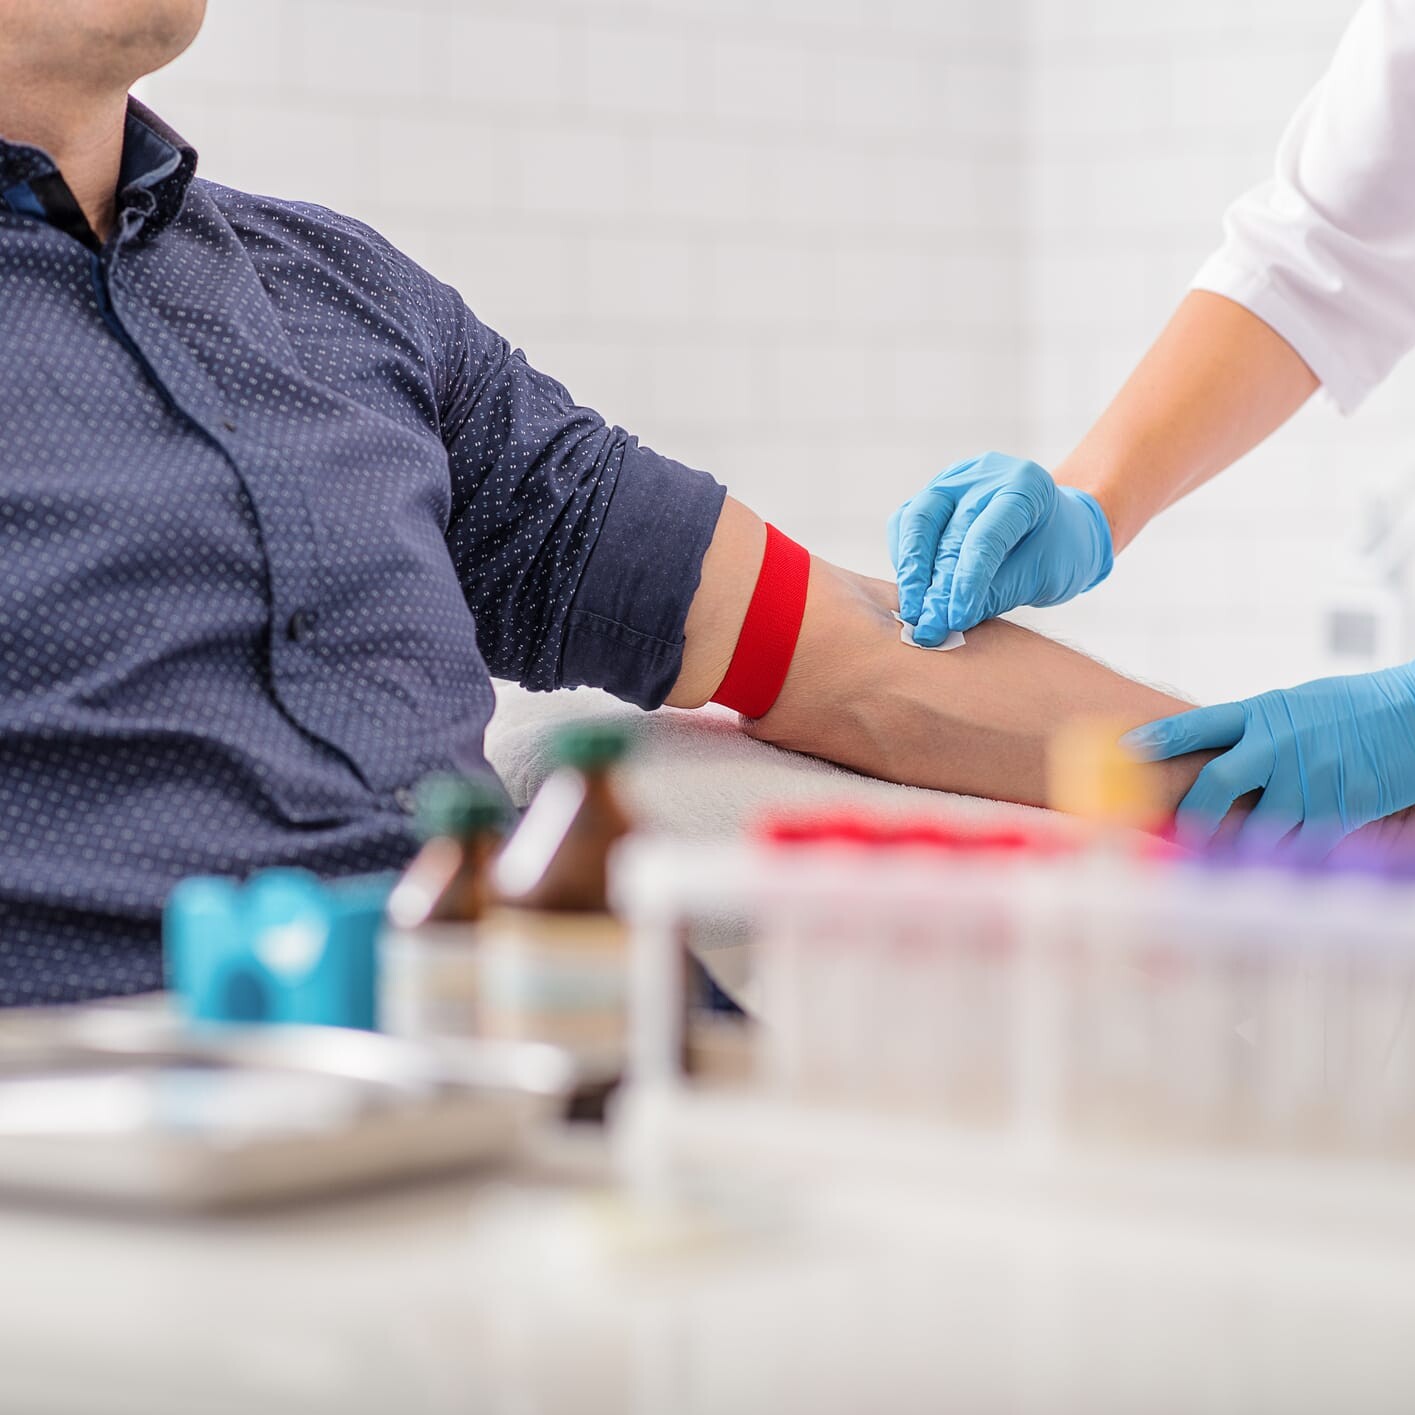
(484,1295)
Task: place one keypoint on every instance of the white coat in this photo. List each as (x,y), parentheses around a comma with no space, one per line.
(1324,251)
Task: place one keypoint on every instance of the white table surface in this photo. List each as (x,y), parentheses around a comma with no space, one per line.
(486,1295)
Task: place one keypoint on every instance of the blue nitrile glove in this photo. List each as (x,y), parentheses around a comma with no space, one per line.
(1333,755)
(990,534)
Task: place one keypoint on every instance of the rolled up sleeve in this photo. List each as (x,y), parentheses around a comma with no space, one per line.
(625,629)
(579,550)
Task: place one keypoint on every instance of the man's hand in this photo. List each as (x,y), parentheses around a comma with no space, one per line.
(1332,755)
(990,534)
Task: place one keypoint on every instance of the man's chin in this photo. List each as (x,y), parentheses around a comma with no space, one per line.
(150,34)
(101,44)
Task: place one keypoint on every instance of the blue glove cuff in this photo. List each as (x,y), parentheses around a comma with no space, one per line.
(1105,546)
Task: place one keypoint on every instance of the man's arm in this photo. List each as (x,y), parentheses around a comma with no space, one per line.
(977,720)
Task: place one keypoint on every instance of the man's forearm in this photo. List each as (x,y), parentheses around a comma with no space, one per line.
(978,720)
(1216,382)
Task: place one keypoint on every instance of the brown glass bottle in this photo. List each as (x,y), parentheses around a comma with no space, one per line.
(429,968)
(555,960)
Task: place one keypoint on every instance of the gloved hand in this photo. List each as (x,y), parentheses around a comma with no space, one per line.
(1332,755)
(990,534)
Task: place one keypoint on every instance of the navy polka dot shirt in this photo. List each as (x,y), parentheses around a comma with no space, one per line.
(274,506)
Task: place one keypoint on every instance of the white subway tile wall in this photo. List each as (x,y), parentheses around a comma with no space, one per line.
(1145,119)
(825,247)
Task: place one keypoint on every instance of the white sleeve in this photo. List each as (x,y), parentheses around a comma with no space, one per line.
(1324,251)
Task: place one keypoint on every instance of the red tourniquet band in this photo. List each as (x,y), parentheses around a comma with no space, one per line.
(768,639)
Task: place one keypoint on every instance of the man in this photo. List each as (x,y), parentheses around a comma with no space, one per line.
(273,507)
(1314,284)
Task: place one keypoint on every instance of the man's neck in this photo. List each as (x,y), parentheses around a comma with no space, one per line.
(84,139)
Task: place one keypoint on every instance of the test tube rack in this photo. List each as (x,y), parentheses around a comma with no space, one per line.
(1088,1025)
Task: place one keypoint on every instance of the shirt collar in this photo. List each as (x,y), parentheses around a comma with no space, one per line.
(157,169)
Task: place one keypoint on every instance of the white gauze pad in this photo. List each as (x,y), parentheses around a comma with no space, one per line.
(906,636)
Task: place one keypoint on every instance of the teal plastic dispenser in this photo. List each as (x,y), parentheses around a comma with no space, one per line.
(282,948)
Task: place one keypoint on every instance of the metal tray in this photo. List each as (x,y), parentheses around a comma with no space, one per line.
(136,1108)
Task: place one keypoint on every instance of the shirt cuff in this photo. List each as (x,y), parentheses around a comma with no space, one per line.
(624,632)
(1255,291)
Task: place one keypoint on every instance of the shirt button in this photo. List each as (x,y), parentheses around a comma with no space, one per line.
(302,625)
(405,800)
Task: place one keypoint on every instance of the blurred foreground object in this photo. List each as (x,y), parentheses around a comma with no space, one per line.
(429,953)
(554,957)
(282,948)
(140,1109)
(1089,774)
(1038,1014)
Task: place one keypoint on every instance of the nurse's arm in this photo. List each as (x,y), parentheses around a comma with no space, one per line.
(1323,251)
(977,719)
(1215,384)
